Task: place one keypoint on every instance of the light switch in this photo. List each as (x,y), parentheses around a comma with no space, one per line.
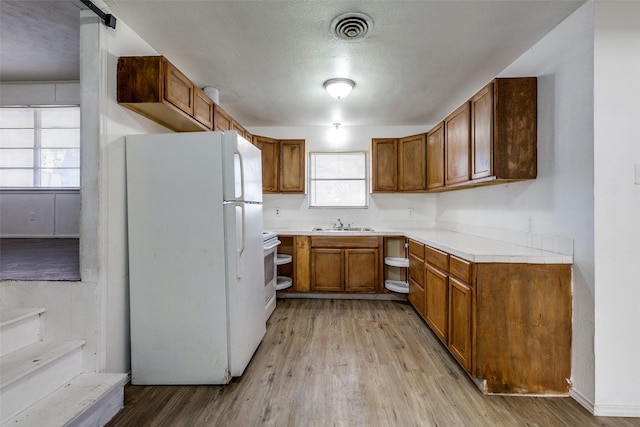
(638,174)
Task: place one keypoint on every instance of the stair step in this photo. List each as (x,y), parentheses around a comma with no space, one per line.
(29,374)
(87,400)
(19,327)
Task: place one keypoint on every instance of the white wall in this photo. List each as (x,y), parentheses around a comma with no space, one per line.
(385,211)
(560,201)
(104,255)
(617,208)
(40,213)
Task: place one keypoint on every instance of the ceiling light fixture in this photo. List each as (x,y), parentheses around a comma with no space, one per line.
(339,88)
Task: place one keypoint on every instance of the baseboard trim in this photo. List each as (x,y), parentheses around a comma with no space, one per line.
(605,410)
(582,400)
(617,411)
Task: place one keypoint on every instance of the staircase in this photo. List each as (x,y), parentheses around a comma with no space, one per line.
(42,383)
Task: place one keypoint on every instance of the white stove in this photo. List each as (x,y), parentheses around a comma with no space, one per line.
(270,244)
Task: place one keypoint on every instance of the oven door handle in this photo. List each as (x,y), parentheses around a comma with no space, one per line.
(273,245)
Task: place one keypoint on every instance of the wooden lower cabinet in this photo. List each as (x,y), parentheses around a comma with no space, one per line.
(521,340)
(436,301)
(327,269)
(459,339)
(417,276)
(361,270)
(509,325)
(345,264)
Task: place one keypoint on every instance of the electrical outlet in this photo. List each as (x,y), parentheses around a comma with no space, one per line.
(531,224)
(277,211)
(410,212)
(32,216)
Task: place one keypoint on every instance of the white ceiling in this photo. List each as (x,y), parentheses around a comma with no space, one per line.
(269,58)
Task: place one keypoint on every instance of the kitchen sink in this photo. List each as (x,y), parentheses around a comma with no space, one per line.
(343,229)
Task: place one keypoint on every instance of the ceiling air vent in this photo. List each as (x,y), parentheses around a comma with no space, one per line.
(351,25)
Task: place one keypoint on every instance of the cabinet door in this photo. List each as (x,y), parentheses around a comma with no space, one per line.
(436,301)
(361,270)
(416,283)
(238,128)
(412,160)
(221,120)
(482,133)
(270,159)
(460,321)
(178,89)
(292,175)
(203,108)
(384,165)
(457,128)
(435,157)
(327,267)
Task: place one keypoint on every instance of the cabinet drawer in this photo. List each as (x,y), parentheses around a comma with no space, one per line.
(416,249)
(344,242)
(438,258)
(460,268)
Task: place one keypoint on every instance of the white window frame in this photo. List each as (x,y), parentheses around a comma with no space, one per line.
(311,180)
(37,149)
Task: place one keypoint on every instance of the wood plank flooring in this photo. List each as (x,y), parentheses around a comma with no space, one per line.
(348,363)
(39,259)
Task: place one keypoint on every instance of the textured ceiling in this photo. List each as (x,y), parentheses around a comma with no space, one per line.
(269,59)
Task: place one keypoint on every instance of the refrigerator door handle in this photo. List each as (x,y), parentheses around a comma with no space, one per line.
(240,249)
(241,162)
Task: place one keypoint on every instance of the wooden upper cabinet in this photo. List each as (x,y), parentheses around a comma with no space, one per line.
(384,165)
(238,128)
(283,168)
(292,174)
(178,89)
(221,120)
(153,87)
(435,157)
(270,161)
(457,144)
(482,133)
(412,170)
(202,108)
(515,137)
(398,164)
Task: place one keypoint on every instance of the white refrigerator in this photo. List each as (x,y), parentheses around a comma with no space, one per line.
(196,276)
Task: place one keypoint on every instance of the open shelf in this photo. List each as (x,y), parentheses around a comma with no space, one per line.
(397,286)
(283,259)
(284,282)
(397,262)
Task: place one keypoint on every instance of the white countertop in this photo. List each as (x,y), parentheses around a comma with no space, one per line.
(471,248)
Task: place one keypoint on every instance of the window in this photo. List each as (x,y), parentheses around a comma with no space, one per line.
(338,180)
(40,147)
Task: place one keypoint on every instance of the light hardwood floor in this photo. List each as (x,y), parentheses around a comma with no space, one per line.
(348,363)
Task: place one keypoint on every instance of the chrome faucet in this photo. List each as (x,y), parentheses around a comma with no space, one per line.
(341,225)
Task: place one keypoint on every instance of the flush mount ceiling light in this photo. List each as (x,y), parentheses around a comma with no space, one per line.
(339,88)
